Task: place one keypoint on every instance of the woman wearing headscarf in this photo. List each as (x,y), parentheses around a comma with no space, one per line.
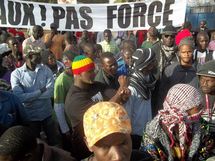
(174,134)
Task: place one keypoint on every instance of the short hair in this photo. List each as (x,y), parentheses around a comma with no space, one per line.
(98,47)
(106,55)
(45,53)
(36,28)
(153,31)
(88,45)
(17,141)
(70,37)
(69,54)
(204,21)
(107,31)
(187,25)
(202,33)
(128,50)
(127,44)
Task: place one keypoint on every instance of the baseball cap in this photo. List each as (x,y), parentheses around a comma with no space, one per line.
(169,30)
(103,119)
(207,69)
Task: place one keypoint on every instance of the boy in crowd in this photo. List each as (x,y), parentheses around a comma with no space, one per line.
(202,54)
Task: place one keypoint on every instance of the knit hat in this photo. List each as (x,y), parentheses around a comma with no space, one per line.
(169,30)
(103,119)
(81,64)
(182,35)
(31,49)
(142,58)
(207,69)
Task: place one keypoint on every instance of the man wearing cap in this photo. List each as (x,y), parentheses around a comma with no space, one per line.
(206,75)
(107,130)
(83,94)
(165,49)
(33,84)
(35,39)
(55,41)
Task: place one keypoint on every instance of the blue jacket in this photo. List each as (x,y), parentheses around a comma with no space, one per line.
(11,110)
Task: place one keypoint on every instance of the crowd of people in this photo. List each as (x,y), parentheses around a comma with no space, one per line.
(88,96)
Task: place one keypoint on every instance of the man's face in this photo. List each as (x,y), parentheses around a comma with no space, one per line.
(38,32)
(202,42)
(67,63)
(127,57)
(35,58)
(88,77)
(207,84)
(90,52)
(14,45)
(114,147)
(51,60)
(110,66)
(202,24)
(168,40)
(107,36)
(186,54)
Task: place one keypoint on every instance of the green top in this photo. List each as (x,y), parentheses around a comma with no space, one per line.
(146,44)
(61,87)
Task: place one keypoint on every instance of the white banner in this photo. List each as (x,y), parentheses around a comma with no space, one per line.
(93,17)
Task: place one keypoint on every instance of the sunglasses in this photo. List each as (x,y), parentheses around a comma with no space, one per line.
(171,36)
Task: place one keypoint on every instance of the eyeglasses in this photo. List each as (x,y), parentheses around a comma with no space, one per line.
(171,36)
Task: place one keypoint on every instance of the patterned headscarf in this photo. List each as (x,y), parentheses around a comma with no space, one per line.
(179,99)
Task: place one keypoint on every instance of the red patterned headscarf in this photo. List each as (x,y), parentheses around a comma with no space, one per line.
(179,99)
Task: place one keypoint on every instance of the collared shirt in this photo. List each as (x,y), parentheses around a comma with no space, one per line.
(109,47)
(32,41)
(26,84)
